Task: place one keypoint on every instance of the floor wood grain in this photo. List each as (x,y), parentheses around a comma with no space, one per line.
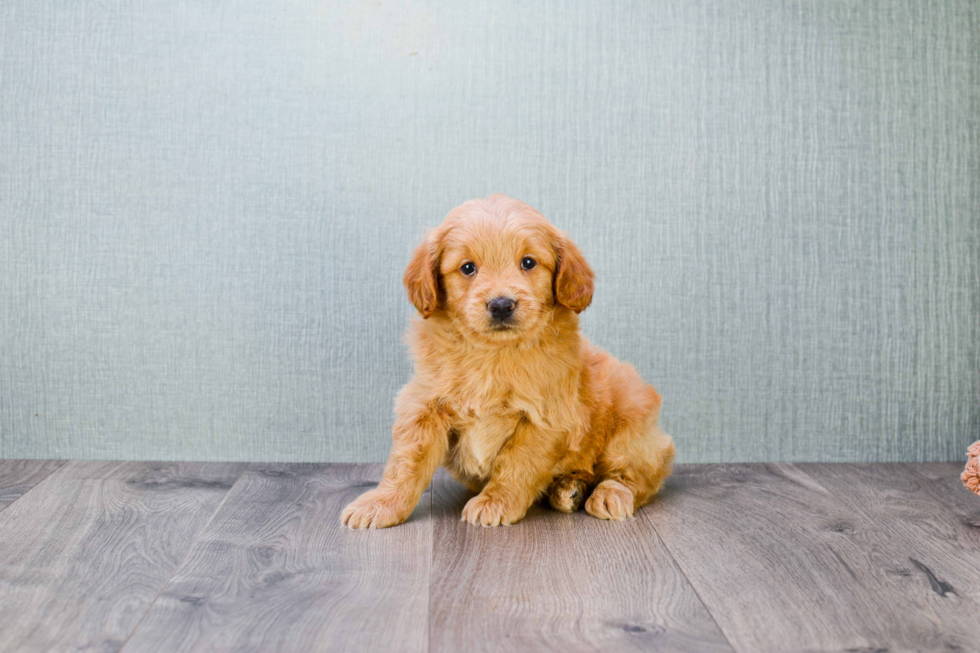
(923,507)
(558,582)
(823,557)
(942,482)
(275,571)
(145,557)
(84,554)
(19,476)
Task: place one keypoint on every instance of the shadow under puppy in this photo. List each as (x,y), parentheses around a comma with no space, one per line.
(507,394)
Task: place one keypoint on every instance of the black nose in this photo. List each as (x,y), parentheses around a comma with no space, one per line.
(501,308)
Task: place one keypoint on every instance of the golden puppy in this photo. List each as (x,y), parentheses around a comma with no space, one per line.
(507,394)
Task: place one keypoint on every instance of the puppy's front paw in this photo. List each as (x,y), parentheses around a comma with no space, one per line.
(375,509)
(490,510)
(610,500)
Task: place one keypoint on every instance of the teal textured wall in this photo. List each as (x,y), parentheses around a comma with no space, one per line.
(205,209)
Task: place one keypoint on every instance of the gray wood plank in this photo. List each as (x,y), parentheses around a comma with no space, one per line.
(935,546)
(19,476)
(942,481)
(821,558)
(84,554)
(558,582)
(924,509)
(276,571)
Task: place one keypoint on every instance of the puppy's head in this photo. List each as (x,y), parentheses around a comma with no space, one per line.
(499,270)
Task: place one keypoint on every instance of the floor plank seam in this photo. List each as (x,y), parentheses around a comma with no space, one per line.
(46,477)
(184,559)
(689,582)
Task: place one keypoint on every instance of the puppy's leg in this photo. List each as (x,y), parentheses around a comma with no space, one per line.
(631,471)
(521,470)
(419,444)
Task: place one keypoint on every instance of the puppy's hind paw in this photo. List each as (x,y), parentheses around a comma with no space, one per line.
(374,509)
(567,493)
(610,500)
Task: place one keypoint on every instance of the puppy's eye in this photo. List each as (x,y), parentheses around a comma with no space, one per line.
(468,268)
(528,263)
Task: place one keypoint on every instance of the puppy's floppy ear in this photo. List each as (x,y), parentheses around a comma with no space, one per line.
(573,276)
(422,277)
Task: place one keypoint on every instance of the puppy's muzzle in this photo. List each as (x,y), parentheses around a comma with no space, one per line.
(501,309)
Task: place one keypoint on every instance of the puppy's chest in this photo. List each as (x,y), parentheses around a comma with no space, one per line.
(477,437)
(480,385)
(489,397)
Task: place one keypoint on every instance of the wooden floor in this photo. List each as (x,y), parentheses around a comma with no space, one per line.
(159,557)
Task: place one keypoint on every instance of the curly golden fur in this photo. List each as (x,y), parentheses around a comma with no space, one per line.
(507,394)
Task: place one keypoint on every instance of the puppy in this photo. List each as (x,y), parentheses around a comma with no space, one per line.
(507,394)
